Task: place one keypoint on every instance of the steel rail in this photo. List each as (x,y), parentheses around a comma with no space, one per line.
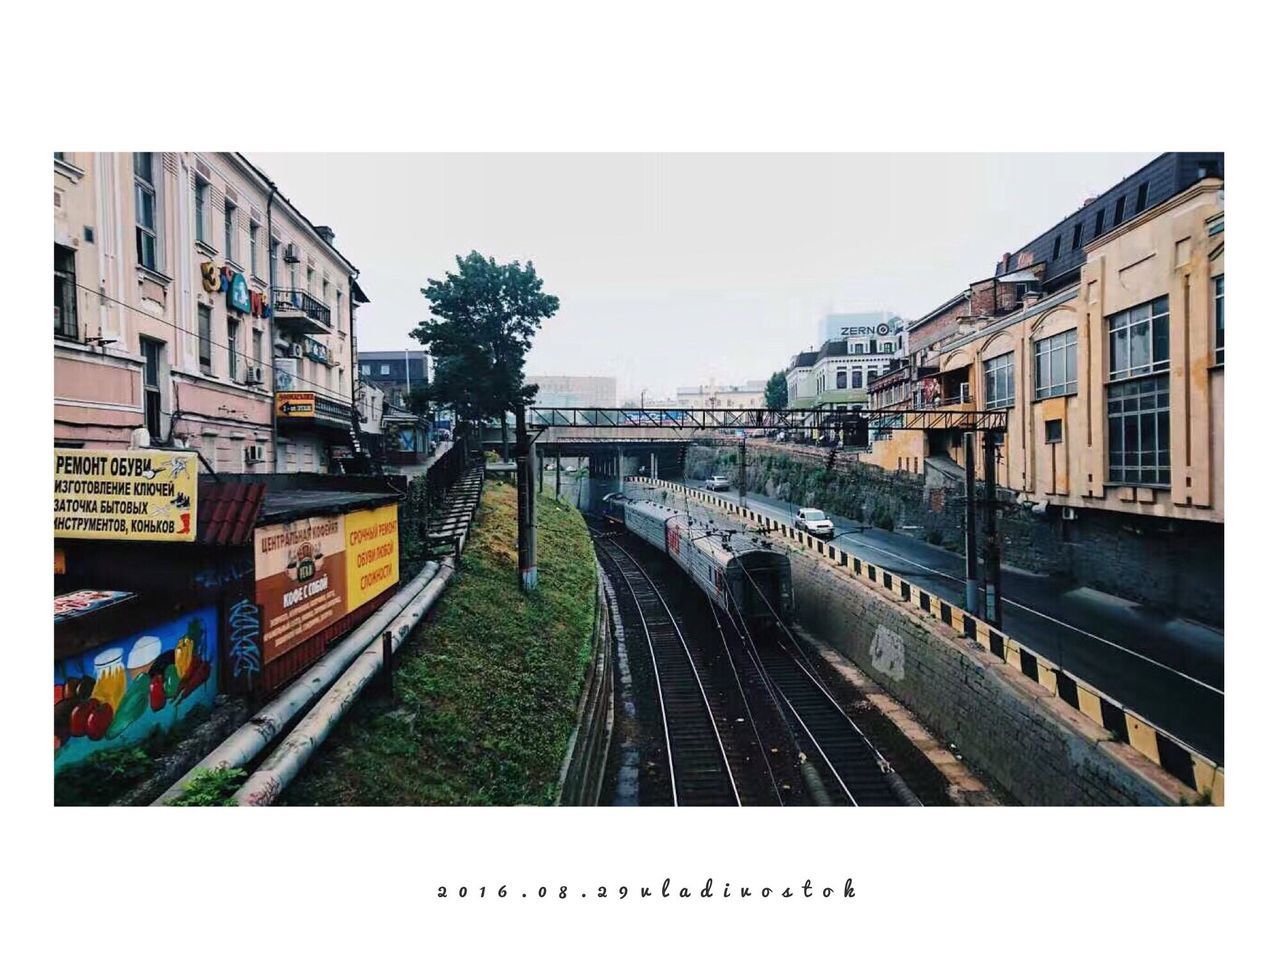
(645,580)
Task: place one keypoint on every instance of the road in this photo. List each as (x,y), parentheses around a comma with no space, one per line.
(1167,669)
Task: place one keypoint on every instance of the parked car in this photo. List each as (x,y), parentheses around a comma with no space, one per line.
(814,522)
(717,483)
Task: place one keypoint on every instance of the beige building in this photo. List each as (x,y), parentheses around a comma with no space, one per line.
(1114,385)
(721,396)
(195,306)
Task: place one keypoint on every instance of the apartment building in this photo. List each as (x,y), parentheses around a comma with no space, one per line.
(396,372)
(195,306)
(722,396)
(859,348)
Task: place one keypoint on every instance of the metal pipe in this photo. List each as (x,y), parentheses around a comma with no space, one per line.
(287,760)
(250,740)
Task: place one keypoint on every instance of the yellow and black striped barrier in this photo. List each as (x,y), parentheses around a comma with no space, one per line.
(1158,746)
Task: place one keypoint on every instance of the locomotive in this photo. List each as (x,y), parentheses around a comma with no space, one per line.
(743,575)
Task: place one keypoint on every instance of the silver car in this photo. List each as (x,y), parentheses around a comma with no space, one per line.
(717,483)
(814,522)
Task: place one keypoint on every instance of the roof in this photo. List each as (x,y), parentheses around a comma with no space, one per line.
(282,505)
(227,510)
(941,308)
(805,359)
(390,354)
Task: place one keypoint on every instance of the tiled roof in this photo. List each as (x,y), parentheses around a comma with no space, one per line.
(227,510)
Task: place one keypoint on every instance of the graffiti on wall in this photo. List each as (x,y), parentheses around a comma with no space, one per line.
(244,633)
(116,695)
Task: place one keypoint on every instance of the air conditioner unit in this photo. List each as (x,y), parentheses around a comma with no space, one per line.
(291,253)
(254,453)
(964,393)
(253,375)
(297,350)
(1069,513)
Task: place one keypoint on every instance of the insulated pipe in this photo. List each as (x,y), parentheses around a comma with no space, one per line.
(285,762)
(250,740)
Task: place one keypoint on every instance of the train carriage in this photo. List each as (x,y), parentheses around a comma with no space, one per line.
(742,574)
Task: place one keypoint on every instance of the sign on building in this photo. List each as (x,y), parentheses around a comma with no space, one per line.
(134,495)
(297,404)
(310,573)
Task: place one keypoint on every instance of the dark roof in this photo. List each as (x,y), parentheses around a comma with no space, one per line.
(805,359)
(227,510)
(357,294)
(282,505)
(834,348)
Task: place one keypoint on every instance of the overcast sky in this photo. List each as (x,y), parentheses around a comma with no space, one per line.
(674,268)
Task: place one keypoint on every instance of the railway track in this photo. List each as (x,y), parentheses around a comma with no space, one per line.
(696,761)
(861,775)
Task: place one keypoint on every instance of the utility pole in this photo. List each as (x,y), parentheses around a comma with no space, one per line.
(742,470)
(991,559)
(526,523)
(970,531)
(557,473)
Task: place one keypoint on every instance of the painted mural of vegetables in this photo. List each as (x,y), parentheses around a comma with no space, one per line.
(132,706)
(98,721)
(182,656)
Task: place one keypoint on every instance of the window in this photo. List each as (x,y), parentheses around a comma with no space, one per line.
(386,368)
(64,293)
(144,202)
(998,373)
(1142,198)
(1098,222)
(855,380)
(1119,212)
(1138,431)
(311,280)
(229,230)
(364,368)
(293,276)
(1057,246)
(886,347)
(205,316)
(842,380)
(1075,236)
(1220,353)
(273,251)
(253,247)
(152,352)
(202,210)
(1053,431)
(1140,339)
(257,348)
(1056,365)
(233,348)
(1208,168)
(859,348)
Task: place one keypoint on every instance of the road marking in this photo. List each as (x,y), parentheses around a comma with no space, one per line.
(1014,603)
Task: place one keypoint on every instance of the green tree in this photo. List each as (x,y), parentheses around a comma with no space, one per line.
(775,392)
(482,321)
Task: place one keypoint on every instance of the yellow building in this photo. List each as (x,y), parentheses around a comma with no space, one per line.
(1114,385)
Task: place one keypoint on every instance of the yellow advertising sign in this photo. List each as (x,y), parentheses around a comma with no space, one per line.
(124,495)
(373,553)
(296,404)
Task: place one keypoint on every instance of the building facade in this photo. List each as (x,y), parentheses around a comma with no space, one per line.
(1113,383)
(865,346)
(722,396)
(564,391)
(396,372)
(195,307)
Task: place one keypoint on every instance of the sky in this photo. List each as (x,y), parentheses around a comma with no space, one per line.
(673,269)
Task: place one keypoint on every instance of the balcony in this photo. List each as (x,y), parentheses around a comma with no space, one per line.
(306,408)
(297,311)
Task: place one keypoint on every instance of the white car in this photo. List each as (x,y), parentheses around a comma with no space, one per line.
(717,483)
(814,522)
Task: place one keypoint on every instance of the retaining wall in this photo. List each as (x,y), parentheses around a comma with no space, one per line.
(585,758)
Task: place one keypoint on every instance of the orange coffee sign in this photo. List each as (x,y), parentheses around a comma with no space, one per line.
(373,553)
(296,404)
(301,574)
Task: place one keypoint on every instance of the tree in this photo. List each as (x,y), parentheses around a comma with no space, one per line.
(775,392)
(482,321)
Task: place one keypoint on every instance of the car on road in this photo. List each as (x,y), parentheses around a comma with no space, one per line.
(717,483)
(814,522)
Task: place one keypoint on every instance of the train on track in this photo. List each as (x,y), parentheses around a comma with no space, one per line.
(743,575)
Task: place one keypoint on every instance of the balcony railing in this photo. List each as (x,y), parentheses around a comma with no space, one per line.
(293,302)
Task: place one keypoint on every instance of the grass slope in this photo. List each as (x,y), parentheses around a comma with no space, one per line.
(486,692)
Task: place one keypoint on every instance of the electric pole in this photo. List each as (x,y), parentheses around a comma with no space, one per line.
(970,531)
(526,524)
(991,559)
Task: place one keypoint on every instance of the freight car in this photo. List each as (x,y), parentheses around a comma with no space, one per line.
(743,575)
